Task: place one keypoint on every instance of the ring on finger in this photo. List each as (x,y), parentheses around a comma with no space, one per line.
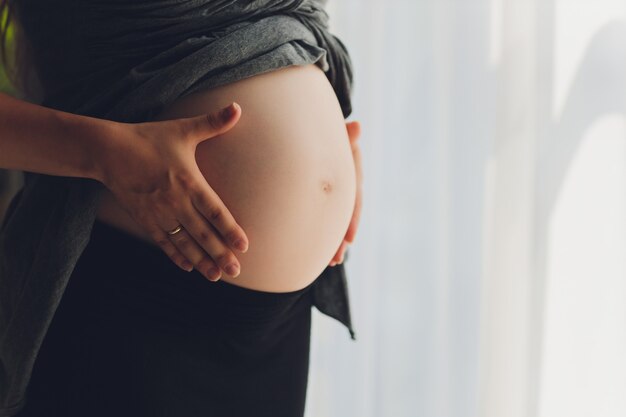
(175,230)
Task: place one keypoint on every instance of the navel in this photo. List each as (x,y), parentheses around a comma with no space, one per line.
(327,186)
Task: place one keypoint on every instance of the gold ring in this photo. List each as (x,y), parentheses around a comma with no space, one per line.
(173,232)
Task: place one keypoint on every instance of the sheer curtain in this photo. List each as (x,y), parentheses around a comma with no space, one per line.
(488,276)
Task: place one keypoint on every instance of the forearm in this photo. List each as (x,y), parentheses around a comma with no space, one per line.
(38,139)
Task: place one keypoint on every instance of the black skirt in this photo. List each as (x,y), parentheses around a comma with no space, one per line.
(134,335)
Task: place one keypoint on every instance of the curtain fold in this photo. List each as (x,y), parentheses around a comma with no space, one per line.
(488,269)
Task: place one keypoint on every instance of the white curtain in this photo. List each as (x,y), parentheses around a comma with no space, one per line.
(488,275)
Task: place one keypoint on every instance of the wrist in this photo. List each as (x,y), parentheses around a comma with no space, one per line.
(97,140)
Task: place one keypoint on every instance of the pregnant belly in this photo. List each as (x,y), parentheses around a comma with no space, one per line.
(285,172)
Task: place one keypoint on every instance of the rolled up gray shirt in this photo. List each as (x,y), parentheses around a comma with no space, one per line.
(126,61)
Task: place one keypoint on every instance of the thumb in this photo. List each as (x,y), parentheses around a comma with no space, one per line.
(213,124)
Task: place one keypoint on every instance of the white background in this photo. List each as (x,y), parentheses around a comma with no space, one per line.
(488,276)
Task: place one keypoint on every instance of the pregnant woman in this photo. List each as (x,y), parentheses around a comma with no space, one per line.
(133,334)
(285,171)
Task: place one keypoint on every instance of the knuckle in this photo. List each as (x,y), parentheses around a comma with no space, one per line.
(178,258)
(223,259)
(206,198)
(183,244)
(180,262)
(214,121)
(161,240)
(204,236)
(215,213)
(206,263)
(185,180)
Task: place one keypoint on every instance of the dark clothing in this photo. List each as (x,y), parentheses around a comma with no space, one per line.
(136,336)
(126,61)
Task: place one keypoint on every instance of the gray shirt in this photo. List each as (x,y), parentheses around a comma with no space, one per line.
(126,61)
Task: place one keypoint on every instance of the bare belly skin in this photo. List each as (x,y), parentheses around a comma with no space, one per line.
(285,172)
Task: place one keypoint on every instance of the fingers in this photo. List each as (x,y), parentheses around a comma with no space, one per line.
(210,125)
(356,217)
(184,249)
(209,258)
(186,244)
(354,131)
(209,242)
(338,258)
(161,239)
(356,155)
(211,206)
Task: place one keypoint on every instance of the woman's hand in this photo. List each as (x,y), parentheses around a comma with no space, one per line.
(354,131)
(152,171)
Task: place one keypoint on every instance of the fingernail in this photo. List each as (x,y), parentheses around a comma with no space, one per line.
(228,112)
(187,266)
(213,273)
(232,270)
(241,245)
